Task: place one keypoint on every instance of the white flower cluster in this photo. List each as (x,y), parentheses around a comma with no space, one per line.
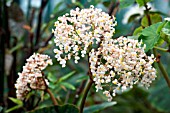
(76,31)
(119,64)
(31,76)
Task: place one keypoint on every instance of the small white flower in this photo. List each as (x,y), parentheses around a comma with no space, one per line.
(124,88)
(63,62)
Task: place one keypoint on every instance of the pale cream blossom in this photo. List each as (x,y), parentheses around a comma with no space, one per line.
(76,31)
(31,77)
(120,63)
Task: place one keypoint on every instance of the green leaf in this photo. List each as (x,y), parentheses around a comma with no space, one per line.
(142,2)
(51,77)
(13,108)
(153,17)
(160,27)
(52,85)
(126,3)
(68,108)
(133,17)
(82,78)
(150,36)
(65,77)
(165,37)
(16,101)
(138,31)
(164,31)
(159,42)
(56,9)
(18,46)
(68,85)
(99,107)
(144,21)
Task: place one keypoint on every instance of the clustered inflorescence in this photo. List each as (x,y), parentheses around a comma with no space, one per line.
(116,65)
(76,31)
(31,76)
(119,64)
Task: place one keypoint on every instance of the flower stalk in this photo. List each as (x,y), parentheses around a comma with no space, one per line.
(51,96)
(161,49)
(162,69)
(86,90)
(165,74)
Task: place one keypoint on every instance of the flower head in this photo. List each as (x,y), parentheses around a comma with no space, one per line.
(31,76)
(76,31)
(119,64)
